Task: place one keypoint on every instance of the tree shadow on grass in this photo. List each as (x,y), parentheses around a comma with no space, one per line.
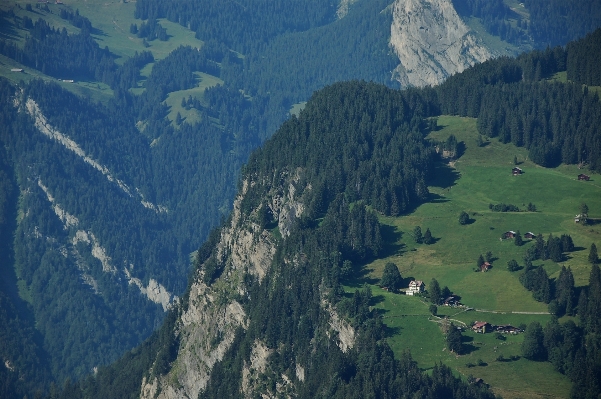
(391,237)
(466,345)
(466,349)
(443,176)
(376,299)
(391,331)
(360,278)
(7,28)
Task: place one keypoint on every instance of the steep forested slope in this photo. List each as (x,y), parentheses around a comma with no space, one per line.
(114,197)
(264,311)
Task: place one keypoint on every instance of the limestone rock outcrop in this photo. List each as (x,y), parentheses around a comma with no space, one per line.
(432,42)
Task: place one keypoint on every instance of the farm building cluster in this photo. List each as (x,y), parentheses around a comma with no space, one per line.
(512,234)
(484,327)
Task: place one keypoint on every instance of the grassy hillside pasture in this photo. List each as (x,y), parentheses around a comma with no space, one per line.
(111,21)
(482,175)
(174,99)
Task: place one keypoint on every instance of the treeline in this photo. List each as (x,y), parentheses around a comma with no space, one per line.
(241,25)
(79,21)
(293,66)
(549,23)
(58,54)
(150,30)
(495,16)
(573,349)
(583,60)
(359,138)
(556,22)
(25,366)
(556,122)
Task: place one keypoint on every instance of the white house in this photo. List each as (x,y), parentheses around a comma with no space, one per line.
(415,287)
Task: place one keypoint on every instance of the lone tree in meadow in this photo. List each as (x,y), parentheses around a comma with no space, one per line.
(592,255)
(480,261)
(417,235)
(583,213)
(435,292)
(518,239)
(428,239)
(512,265)
(391,277)
(464,218)
(489,256)
(454,340)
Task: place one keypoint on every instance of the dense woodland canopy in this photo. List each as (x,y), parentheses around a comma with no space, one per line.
(548,22)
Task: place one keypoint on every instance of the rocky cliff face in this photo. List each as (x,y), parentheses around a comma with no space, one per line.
(207,327)
(432,42)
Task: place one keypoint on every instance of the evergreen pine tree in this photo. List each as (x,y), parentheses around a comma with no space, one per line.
(592,255)
(417,235)
(434,291)
(489,256)
(533,344)
(454,340)
(540,247)
(480,261)
(518,239)
(428,237)
(391,277)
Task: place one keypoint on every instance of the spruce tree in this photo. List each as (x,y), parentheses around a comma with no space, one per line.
(434,291)
(417,235)
(518,239)
(454,340)
(533,344)
(391,277)
(489,256)
(428,239)
(592,255)
(512,265)
(480,261)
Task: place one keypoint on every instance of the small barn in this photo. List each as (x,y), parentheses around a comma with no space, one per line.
(481,327)
(509,234)
(530,235)
(516,171)
(485,266)
(452,300)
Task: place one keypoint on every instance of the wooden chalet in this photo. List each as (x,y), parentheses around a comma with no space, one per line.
(485,266)
(481,327)
(582,176)
(509,234)
(452,300)
(516,171)
(416,287)
(530,235)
